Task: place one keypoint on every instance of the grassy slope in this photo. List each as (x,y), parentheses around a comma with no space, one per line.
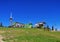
(29,35)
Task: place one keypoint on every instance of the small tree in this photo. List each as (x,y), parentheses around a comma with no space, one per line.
(52,28)
(55,29)
(1,24)
(48,28)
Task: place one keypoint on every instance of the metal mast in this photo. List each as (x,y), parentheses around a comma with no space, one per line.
(11,19)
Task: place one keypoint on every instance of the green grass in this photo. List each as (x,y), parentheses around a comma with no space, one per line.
(29,35)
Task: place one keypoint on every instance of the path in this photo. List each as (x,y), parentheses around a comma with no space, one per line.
(1,39)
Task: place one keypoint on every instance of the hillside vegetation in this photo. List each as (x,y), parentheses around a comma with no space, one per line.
(29,35)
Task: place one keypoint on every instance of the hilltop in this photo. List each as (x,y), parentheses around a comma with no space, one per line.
(29,35)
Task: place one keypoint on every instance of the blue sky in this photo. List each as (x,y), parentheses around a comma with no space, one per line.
(34,11)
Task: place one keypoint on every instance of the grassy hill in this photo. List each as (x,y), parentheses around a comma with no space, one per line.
(29,35)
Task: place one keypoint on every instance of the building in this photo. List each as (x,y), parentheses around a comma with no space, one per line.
(28,25)
(40,25)
(18,25)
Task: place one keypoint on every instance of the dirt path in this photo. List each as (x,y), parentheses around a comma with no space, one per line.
(1,39)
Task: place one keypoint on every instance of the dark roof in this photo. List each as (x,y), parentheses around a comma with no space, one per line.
(19,22)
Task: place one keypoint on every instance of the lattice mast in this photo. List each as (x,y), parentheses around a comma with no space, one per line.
(11,19)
